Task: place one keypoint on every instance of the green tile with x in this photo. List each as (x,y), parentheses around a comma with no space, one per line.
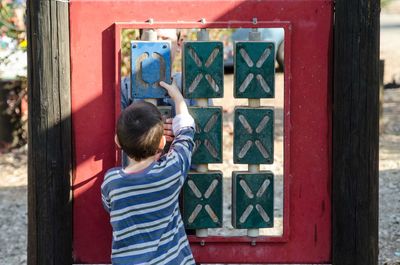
(253,141)
(254,69)
(202,200)
(208,136)
(252,200)
(203,69)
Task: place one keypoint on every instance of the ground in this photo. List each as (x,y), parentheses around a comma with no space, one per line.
(13,175)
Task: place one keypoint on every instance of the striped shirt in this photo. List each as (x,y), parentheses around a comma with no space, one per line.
(143,206)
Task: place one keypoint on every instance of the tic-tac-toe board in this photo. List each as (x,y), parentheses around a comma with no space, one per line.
(252,193)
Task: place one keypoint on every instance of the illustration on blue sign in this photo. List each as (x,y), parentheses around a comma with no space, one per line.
(150,64)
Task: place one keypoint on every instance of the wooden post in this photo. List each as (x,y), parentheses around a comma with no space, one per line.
(355,133)
(49,143)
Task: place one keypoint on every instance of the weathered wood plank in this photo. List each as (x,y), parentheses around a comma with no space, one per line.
(355,133)
(50,157)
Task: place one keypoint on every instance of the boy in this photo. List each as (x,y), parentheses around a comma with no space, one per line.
(142,198)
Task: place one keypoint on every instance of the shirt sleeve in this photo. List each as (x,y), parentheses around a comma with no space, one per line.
(182,121)
(105,191)
(105,200)
(183,127)
(106,203)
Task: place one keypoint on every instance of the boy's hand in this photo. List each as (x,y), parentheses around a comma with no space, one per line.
(173,90)
(175,94)
(169,135)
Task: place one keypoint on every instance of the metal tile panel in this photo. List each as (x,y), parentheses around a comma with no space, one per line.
(202,200)
(253,141)
(208,136)
(254,69)
(203,69)
(252,199)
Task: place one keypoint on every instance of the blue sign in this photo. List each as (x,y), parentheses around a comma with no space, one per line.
(150,64)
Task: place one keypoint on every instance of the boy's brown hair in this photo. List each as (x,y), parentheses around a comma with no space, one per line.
(139,130)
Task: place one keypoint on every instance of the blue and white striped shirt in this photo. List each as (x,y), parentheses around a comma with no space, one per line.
(144,210)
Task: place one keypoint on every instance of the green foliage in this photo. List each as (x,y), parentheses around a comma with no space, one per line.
(127,36)
(385,2)
(12,20)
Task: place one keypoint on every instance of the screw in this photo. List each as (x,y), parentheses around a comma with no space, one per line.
(150,21)
(164,46)
(254,20)
(134,46)
(202,243)
(203,21)
(253,243)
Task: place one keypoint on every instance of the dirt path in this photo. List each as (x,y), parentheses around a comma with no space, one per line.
(389,180)
(13,207)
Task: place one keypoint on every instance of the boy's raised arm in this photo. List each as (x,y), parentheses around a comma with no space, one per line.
(182,126)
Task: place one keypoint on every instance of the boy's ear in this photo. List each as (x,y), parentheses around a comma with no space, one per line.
(163,141)
(116,141)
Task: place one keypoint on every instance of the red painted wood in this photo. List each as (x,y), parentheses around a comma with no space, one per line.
(308,26)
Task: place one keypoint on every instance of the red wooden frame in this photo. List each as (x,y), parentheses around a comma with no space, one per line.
(95,80)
